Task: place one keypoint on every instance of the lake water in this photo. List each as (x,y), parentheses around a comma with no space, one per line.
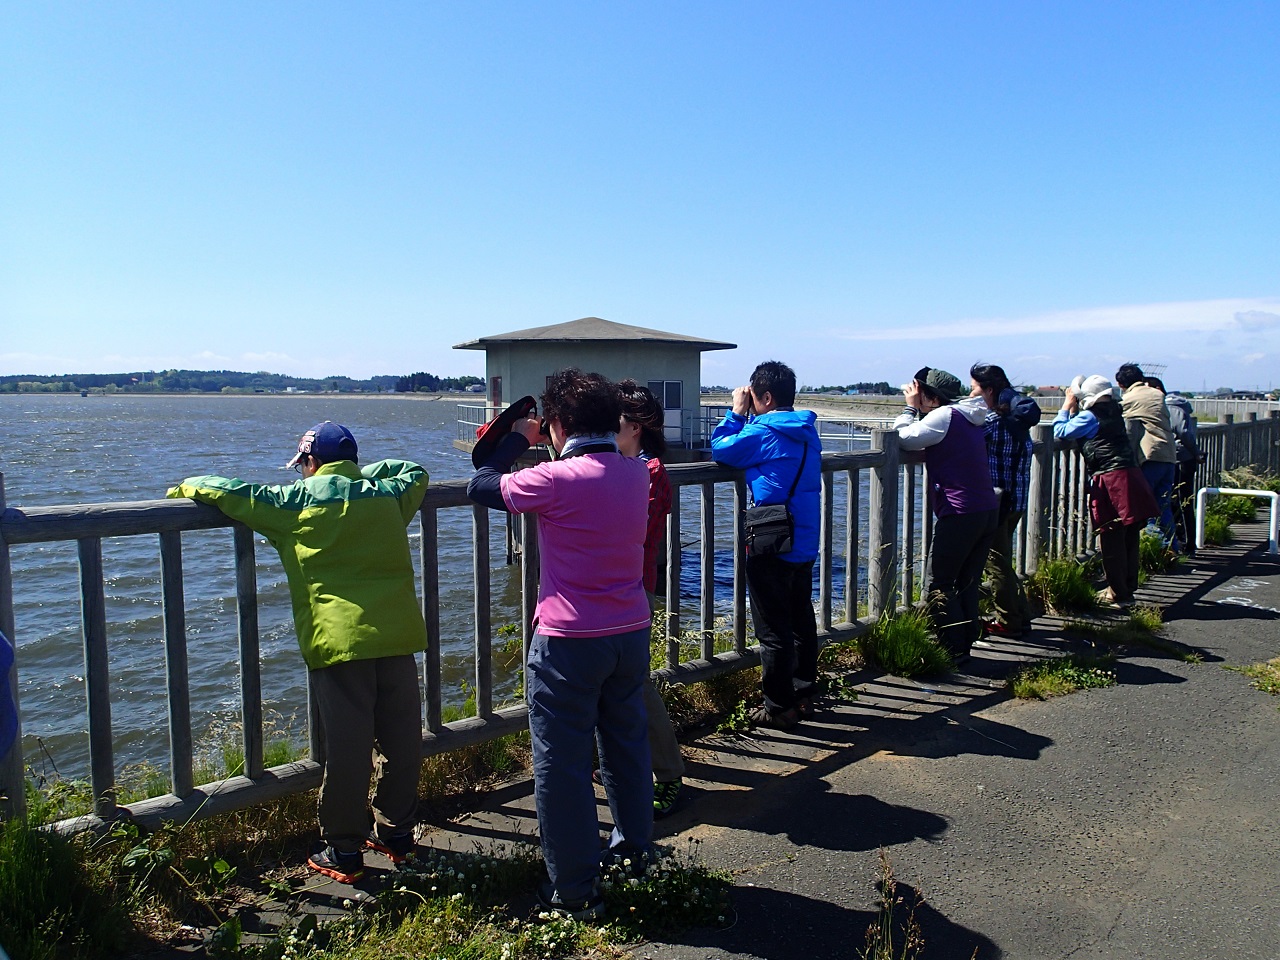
(65,449)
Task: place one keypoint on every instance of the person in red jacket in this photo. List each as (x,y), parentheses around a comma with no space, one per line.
(642,434)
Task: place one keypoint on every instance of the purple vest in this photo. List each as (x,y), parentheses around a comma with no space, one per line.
(959,472)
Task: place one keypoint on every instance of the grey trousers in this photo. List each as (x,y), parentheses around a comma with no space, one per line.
(668,764)
(371,712)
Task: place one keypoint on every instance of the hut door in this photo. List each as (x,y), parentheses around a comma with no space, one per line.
(495,392)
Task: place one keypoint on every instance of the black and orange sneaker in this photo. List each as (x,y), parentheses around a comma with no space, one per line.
(343,867)
(398,847)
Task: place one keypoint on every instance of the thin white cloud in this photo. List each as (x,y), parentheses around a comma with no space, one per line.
(1255,320)
(1251,358)
(1204,316)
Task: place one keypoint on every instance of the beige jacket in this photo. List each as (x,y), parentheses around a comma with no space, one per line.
(1147,418)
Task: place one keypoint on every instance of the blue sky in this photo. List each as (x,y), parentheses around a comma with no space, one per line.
(859,189)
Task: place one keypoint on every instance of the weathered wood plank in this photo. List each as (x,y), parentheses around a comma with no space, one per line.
(707,568)
(177,681)
(97,680)
(250,650)
(13,800)
(482,609)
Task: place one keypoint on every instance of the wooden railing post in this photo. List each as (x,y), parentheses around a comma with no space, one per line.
(250,651)
(13,798)
(739,567)
(883,520)
(672,630)
(1039,496)
(707,568)
(826,511)
(97,681)
(175,664)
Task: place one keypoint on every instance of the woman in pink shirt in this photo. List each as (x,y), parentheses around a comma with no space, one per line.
(589,656)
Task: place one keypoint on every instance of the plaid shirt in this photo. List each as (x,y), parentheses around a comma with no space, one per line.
(1010,460)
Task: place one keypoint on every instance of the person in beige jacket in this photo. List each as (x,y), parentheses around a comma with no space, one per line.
(1151,434)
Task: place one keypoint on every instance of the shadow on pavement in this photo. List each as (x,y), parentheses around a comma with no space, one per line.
(777,925)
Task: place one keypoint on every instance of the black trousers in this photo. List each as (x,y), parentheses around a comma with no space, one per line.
(961,542)
(782,609)
(1119,548)
(1184,505)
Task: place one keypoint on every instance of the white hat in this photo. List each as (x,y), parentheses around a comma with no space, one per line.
(1092,389)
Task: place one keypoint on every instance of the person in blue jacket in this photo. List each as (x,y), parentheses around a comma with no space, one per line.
(774,443)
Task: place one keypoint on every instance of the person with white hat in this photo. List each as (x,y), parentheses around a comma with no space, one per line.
(1120,499)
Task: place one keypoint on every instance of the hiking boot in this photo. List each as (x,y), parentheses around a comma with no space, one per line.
(398,847)
(585,909)
(804,707)
(665,795)
(784,720)
(343,867)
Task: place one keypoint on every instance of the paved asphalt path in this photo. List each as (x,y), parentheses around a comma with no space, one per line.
(1137,821)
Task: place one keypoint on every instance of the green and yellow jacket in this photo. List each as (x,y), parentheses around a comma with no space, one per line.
(341,537)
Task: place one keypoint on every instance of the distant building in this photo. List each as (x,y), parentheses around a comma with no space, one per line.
(670,364)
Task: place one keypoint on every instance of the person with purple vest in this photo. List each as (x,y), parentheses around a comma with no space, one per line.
(948,427)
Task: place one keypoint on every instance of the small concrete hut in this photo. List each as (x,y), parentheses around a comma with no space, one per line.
(670,364)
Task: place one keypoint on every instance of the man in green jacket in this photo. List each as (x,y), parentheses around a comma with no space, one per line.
(340,533)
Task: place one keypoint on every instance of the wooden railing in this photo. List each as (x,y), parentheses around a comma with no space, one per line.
(881,539)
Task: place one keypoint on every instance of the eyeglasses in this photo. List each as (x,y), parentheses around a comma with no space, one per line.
(301,460)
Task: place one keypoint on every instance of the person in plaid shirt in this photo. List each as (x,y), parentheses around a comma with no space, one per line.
(1008,434)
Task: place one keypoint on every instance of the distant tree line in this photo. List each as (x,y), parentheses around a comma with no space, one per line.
(430,383)
(221,381)
(880,387)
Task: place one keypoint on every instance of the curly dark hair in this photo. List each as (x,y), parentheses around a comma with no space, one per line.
(642,408)
(582,402)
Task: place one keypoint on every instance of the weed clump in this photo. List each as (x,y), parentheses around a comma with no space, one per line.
(1062,585)
(1264,676)
(904,646)
(1059,676)
(57,903)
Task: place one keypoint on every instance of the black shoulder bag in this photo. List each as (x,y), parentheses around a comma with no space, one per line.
(771,528)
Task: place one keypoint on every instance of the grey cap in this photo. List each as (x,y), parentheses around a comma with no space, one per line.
(945,385)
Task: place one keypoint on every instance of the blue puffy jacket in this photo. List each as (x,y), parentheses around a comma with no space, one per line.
(769,448)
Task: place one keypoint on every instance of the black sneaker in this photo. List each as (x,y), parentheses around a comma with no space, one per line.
(398,847)
(343,867)
(587,909)
(665,796)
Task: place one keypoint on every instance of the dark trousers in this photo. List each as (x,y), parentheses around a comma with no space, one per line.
(1006,589)
(782,609)
(371,713)
(1120,559)
(1184,505)
(961,542)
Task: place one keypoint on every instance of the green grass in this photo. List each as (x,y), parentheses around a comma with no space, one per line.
(1062,585)
(58,903)
(1264,676)
(1154,556)
(1217,530)
(453,905)
(904,646)
(1059,676)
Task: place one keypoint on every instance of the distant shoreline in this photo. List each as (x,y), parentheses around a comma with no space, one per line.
(477,398)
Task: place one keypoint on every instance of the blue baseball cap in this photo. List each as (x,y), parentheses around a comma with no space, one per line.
(327,442)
